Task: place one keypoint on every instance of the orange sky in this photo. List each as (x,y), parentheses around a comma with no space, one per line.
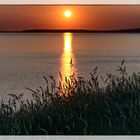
(15,18)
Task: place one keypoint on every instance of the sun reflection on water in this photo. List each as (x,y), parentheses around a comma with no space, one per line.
(67,59)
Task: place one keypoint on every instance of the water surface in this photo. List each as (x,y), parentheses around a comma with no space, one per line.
(25,58)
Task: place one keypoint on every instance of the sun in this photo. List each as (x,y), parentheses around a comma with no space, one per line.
(67,13)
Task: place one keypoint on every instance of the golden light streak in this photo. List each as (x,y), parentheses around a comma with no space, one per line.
(67,60)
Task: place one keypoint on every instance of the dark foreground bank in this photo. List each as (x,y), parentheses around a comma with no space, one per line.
(77,106)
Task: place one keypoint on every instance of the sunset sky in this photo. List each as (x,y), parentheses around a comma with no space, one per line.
(17,18)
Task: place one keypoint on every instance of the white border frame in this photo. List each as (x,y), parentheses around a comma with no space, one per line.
(69,1)
(72,2)
(69,137)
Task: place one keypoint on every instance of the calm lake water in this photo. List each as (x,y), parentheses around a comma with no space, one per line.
(25,58)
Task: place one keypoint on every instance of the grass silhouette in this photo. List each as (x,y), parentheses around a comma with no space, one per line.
(77,107)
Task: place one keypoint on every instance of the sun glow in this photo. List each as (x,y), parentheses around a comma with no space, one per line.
(67,13)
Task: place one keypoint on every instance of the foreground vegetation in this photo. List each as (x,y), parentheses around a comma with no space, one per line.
(77,106)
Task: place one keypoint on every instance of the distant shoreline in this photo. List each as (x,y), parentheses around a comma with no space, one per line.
(73,31)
